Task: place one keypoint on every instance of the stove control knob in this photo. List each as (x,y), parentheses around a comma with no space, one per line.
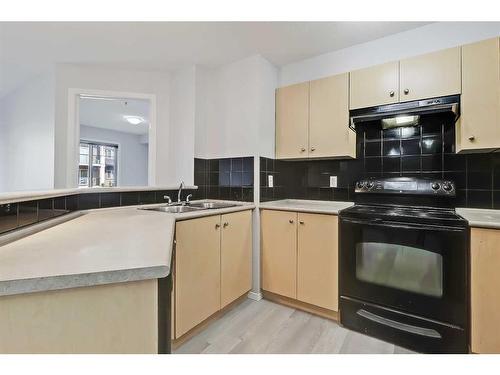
(360,184)
(447,186)
(370,184)
(435,186)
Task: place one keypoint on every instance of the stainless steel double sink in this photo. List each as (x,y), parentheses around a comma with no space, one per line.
(190,207)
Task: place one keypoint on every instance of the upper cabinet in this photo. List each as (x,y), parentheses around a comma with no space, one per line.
(312,119)
(479,124)
(376,85)
(426,76)
(431,75)
(329,133)
(292,120)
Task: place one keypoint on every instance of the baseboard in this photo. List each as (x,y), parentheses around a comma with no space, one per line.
(316,310)
(256,296)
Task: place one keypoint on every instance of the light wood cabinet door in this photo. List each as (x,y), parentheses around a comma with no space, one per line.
(430,75)
(485,291)
(479,124)
(317,261)
(279,252)
(329,133)
(292,116)
(376,85)
(197,272)
(236,256)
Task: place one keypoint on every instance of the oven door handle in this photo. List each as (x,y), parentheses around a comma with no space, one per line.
(394,224)
(421,331)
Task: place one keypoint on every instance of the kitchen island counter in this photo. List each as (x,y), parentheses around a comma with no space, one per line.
(102,246)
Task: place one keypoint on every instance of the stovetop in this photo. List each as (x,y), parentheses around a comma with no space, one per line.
(406,199)
(422,215)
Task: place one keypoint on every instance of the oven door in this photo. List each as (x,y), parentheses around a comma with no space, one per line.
(416,268)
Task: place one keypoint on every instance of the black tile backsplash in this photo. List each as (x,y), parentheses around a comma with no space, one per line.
(228,178)
(424,151)
(88,201)
(8,217)
(110,200)
(21,214)
(130,198)
(45,209)
(28,213)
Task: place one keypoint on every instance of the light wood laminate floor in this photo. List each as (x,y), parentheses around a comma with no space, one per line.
(266,327)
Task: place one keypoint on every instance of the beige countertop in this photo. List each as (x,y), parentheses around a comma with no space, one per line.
(319,207)
(19,196)
(98,247)
(483,218)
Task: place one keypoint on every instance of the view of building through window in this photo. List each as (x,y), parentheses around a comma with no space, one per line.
(98,165)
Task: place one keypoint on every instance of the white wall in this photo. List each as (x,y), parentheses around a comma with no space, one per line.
(235,109)
(267,82)
(234,116)
(204,110)
(418,41)
(99,78)
(182,124)
(133,153)
(27,132)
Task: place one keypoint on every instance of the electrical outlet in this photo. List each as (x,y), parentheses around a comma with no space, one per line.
(270,182)
(333,181)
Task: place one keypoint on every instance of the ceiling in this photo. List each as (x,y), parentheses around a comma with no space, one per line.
(30,48)
(109,114)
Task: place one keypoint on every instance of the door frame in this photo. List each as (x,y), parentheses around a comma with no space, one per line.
(73,135)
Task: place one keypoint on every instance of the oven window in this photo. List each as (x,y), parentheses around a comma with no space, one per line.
(401,267)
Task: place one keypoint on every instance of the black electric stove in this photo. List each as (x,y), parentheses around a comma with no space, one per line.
(404,264)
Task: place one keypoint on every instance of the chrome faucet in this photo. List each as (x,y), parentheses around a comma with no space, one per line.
(180,192)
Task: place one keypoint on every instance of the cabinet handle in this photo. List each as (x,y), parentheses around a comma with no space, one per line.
(406,91)
(472,138)
(226,224)
(217,226)
(391,93)
(301,222)
(302,149)
(290,221)
(313,149)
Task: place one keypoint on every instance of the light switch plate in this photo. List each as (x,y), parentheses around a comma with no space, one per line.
(270,182)
(333,181)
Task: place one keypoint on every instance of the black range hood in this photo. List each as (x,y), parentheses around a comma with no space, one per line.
(405,114)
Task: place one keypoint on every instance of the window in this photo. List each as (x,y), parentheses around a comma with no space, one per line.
(98,164)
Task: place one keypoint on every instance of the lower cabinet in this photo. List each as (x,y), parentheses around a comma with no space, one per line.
(197,272)
(485,291)
(279,252)
(317,260)
(235,256)
(212,267)
(300,256)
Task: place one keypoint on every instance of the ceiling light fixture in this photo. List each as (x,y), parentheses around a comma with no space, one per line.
(134,120)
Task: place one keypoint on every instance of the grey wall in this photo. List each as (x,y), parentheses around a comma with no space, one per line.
(133,155)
